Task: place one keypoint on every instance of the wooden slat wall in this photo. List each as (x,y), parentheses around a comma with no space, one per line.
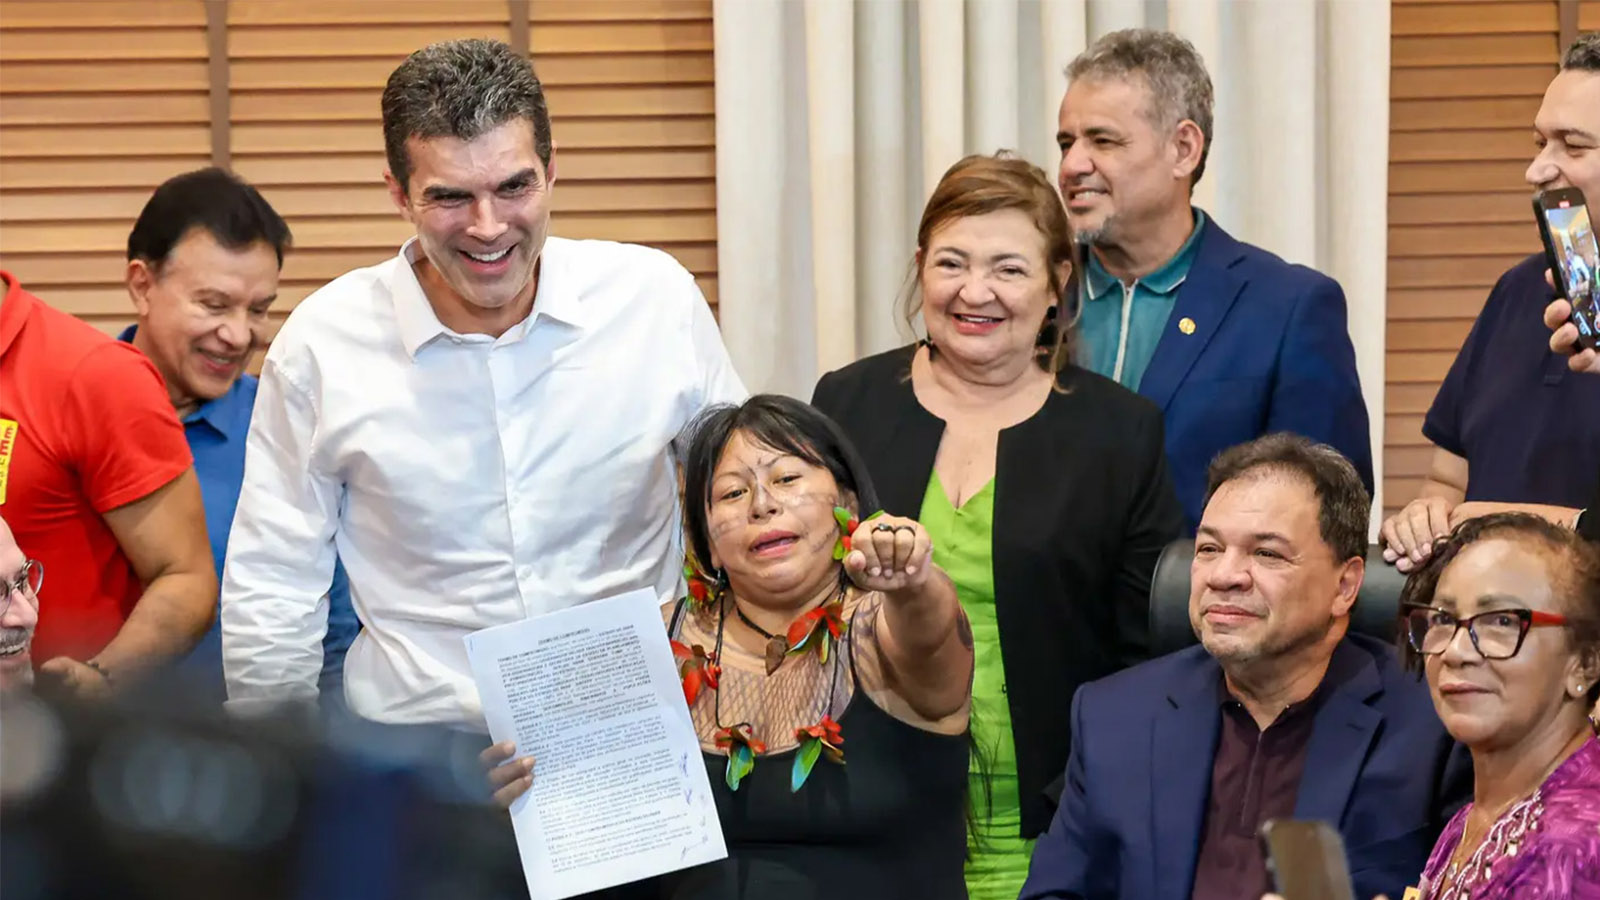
(629,84)
(99,103)
(1467,79)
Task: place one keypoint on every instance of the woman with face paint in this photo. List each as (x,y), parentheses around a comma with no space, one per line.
(827,665)
(1044,486)
(1504,620)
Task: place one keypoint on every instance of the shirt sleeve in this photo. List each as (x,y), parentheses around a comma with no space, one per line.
(714,380)
(719,383)
(1442,425)
(124,435)
(280,553)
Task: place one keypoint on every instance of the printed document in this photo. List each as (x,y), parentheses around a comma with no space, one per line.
(620,791)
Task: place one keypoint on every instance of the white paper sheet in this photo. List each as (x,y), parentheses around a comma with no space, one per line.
(619,789)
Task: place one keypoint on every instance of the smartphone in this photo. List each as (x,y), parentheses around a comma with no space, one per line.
(1573,254)
(1306,860)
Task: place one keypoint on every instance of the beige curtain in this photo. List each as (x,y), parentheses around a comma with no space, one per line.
(836,117)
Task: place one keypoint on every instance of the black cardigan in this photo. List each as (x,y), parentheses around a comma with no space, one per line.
(1083,507)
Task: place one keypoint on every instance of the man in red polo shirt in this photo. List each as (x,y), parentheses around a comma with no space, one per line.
(97,484)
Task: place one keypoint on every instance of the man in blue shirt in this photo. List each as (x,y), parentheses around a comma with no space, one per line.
(1229,340)
(1512,428)
(203,264)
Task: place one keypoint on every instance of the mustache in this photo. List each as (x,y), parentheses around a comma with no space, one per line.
(14,638)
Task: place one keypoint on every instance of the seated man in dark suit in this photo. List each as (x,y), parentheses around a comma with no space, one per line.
(1231,341)
(1278,714)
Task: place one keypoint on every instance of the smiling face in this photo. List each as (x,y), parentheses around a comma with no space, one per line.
(1264,583)
(1488,704)
(1567,131)
(1119,172)
(482,211)
(770,517)
(20,618)
(986,286)
(203,313)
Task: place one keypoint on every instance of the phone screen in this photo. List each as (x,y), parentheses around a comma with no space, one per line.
(1570,234)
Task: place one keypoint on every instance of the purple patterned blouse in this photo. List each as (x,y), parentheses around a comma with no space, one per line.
(1545,848)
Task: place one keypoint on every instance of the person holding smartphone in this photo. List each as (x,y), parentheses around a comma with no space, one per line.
(1511,427)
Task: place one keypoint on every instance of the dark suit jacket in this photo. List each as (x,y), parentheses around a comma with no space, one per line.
(1379,766)
(1083,507)
(1270,352)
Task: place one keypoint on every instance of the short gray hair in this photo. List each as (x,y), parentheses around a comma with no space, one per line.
(1344,501)
(460,89)
(1584,54)
(1180,87)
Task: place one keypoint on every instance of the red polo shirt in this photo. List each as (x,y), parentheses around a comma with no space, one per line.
(85,427)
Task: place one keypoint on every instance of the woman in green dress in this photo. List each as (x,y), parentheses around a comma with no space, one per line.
(1043,486)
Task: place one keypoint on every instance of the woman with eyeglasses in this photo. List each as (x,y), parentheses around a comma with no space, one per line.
(1504,618)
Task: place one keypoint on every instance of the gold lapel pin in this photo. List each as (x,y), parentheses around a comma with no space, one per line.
(1186,325)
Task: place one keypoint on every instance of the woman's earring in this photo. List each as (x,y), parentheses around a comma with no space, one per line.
(847,526)
(703,589)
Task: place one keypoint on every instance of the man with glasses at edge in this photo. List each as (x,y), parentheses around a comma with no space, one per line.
(21,579)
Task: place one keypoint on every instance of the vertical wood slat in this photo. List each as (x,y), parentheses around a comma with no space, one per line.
(1567,15)
(217,76)
(520,36)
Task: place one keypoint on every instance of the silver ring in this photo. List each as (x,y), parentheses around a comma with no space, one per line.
(883,526)
(905,528)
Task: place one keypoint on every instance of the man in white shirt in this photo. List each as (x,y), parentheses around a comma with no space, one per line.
(483,427)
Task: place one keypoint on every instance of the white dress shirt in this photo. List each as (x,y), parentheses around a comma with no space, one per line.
(464,480)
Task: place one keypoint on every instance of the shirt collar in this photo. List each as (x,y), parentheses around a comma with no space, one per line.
(1331,680)
(227,415)
(14,309)
(419,325)
(1164,280)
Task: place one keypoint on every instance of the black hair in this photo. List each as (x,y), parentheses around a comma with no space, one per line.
(781,423)
(1573,563)
(461,89)
(230,210)
(1343,500)
(1583,55)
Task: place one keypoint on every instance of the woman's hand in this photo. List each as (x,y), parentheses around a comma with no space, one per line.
(889,554)
(508,780)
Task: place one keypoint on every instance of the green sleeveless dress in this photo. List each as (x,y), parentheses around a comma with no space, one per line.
(963,545)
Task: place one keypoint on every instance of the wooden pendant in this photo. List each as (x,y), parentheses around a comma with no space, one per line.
(777,648)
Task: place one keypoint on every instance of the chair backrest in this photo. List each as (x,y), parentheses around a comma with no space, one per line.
(1375,614)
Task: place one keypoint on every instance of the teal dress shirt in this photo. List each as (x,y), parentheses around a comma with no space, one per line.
(1142,309)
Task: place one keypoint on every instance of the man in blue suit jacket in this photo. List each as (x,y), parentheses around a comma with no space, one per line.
(1228,339)
(1279,713)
